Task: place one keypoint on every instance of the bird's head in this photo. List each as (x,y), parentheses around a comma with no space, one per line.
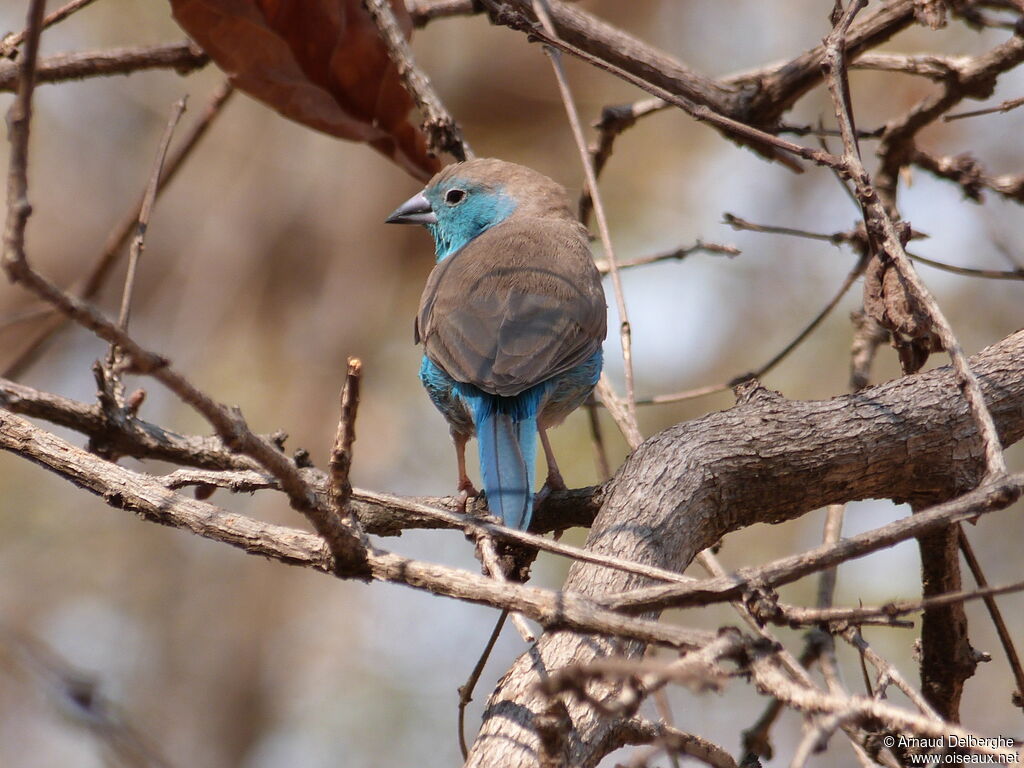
(468,198)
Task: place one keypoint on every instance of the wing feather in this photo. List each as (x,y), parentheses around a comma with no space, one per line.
(519,304)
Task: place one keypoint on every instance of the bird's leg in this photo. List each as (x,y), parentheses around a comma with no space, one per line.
(465,485)
(554,481)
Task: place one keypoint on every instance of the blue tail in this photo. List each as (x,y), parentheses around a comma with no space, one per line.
(506,429)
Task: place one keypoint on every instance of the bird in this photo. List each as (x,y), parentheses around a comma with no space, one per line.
(511,320)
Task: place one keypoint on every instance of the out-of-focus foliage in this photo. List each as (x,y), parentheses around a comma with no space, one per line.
(267,263)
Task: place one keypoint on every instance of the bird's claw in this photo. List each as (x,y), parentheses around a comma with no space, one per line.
(466,490)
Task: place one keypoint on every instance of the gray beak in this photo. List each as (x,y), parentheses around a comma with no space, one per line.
(415,210)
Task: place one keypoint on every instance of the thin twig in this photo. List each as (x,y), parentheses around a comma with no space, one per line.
(489,555)
(614,120)
(9,43)
(848,281)
(80,698)
(182,57)
(868,336)
(882,230)
(466,689)
(853,636)
(25,315)
(443,132)
(227,422)
(858,237)
(677,254)
(1005,638)
(988,497)
(19,118)
(485,528)
(148,199)
(425,11)
(795,616)
(108,258)
(625,332)
(618,410)
(349,542)
(967,171)
(602,465)
(1006,106)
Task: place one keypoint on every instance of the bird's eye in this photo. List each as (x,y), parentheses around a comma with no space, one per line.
(454,196)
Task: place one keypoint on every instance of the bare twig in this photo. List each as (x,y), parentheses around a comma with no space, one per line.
(858,238)
(19,119)
(887,671)
(349,542)
(988,594)
(675,742)
(483,528)
(991,496)
(794,616)
(849,280)
(105,262)
(467,688)
(181,57)
(425,11)
(882,230)
(148,199)
(1005,106)
(602,465)
(443,132)
(868,336)
(618,410)
(9,43)
(625,332)
(966,171)
(614,120)
(931,66)
(489,555)
(677,254)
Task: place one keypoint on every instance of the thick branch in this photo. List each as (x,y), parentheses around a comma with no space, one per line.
(767,460)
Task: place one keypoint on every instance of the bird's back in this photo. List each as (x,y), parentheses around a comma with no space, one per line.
(519,304)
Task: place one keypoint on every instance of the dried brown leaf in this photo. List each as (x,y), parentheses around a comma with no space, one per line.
(888,301)
(318,62)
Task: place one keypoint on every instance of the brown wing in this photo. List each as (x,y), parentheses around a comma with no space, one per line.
(519,304)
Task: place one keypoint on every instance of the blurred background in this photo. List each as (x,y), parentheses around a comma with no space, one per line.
(267,263)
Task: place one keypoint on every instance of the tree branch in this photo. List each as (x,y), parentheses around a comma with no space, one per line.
(767,460)
(182,57)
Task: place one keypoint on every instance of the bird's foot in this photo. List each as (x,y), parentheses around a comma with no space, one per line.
(466,490)
(553,484)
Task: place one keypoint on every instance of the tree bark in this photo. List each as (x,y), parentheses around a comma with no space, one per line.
(766,460)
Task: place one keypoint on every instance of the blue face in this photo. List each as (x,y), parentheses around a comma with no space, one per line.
(464,209)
